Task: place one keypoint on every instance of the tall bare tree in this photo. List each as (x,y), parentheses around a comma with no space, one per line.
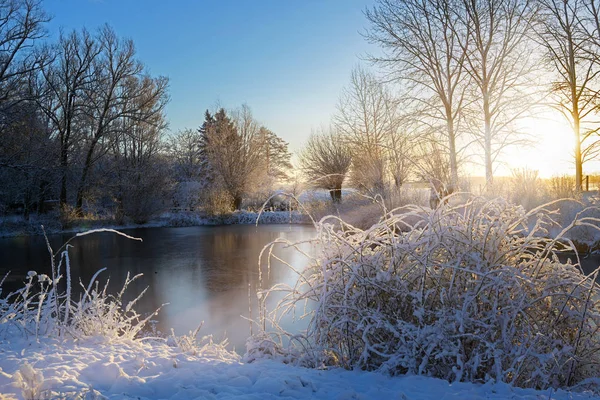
(502,69)
(325,161)
(137,147)
(61,93)
(364,121)
(424,45)
(118,91)
(21,27)
(368,118)
(569,47)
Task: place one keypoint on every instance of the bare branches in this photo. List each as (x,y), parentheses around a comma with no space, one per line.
(369,121)
(425,45)
(326,160)
(500,64)
(568,32)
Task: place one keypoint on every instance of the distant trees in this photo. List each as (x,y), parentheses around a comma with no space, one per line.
(377,135)
(240,152)
(189,169)
(325,161)
(94,92)
(119,97)
(75,115)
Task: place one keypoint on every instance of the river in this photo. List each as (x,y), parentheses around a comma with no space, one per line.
(204,273)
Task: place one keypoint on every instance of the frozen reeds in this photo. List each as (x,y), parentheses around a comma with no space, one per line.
(468,292)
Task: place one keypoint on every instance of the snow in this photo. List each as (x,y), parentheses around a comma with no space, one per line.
(92,351)
(152,369)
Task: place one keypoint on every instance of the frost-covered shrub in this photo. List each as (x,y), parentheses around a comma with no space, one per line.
(30,311)
(42,308)
(562,187)
(473,292)
(527,189)
(203,346)
(99,313)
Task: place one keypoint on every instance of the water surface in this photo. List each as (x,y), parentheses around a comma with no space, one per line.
(204,273)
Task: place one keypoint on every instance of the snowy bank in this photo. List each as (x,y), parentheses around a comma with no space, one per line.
(154,370)
(18,226)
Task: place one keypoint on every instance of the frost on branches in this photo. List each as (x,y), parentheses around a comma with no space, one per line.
(471,292)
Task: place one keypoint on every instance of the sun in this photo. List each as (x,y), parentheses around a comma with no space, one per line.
(551,151)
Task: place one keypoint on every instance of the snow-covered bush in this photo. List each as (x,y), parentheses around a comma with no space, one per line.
(470,292)
(29,311)
(527,189)
(100,313)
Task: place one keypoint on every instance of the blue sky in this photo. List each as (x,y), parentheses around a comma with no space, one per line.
(288,60)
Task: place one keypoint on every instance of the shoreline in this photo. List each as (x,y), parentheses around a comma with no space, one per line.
(16,226)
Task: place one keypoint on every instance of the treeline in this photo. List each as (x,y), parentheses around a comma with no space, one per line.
(231,157)
(82,123)
(455,80)
(83,131)
(80,118)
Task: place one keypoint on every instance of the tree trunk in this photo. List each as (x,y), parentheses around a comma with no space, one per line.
(453,184)
(237,202)
(83,180)
(578,161)
(489,172)
(336,194)
(63,178)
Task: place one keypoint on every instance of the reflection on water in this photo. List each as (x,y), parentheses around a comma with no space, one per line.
(204,273)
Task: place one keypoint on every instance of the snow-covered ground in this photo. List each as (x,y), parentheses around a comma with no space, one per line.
(138,369)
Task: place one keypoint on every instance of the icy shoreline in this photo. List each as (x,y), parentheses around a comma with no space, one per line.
(15,226)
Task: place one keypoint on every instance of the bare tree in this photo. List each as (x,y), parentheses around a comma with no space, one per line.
(424,43)
(189,170)
(118,91)
(21,27)
(362,118)
(137,148)
(401,144)
(325,161)
(185,152)
(368,118)
(60,93)
(568,46)
(501,66)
